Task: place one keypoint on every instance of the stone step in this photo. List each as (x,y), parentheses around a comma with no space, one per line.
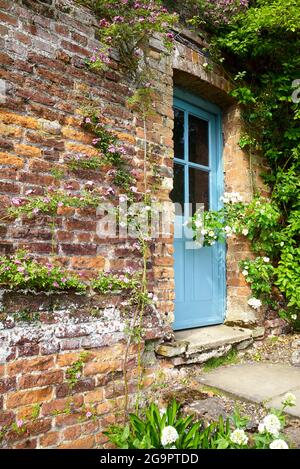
(207,338)
(201,344)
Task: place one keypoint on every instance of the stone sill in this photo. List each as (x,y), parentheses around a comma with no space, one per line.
(201,344)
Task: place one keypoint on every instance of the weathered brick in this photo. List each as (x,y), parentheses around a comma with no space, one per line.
(94,396)
(29,443)
(16,119)
(27,366)
(10,131)
(9,188)
(43,379)
(73,134)
(50,439)
(82,249)
(7,159)
(74,48)
(60,405)
(78,148)
(37,396)
(95,262)
(87,442)
(10,19)
(94,368)
(67,359)
(72,433)
(27,150)
(7,384)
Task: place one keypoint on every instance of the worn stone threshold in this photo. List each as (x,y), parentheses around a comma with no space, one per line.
(201,344)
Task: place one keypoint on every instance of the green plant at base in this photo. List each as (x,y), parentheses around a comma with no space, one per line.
(168,428)
(215,362)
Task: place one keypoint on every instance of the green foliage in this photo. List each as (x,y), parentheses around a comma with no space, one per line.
(26,316)
(33,205)
(260,274)
(110,153)
(288,279)
(215,362)
(20,271)
(170,429)
(114,283)
(74,372)
(264,42)
(36,410)
(127,28)
(146,432)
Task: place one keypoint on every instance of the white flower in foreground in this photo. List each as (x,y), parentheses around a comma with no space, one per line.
(266,259)
(239,437)
(289,399)
(254,303)
(245,272)
(245,231)
(278,444)
(272,424)
(261,428)
(169,435)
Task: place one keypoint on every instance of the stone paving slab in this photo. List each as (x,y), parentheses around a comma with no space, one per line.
(257,382)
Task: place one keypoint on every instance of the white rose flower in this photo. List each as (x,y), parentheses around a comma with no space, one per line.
(278,444)
(294,317)
(169,435)
(282,243)
(227,229)
(266,259)
(239,437)
(289,399)
(254,303)
(272,424)
(245,231)
(211,233)
(245,272)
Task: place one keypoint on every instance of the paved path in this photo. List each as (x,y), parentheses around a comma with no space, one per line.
(262,383)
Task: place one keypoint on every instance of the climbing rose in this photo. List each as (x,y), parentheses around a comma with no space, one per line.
(169,435)
(245,231)
(289,399)
(271,424)
(254,303)
(278,444)
(239,437)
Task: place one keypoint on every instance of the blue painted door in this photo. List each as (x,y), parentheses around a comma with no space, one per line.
(198,178)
